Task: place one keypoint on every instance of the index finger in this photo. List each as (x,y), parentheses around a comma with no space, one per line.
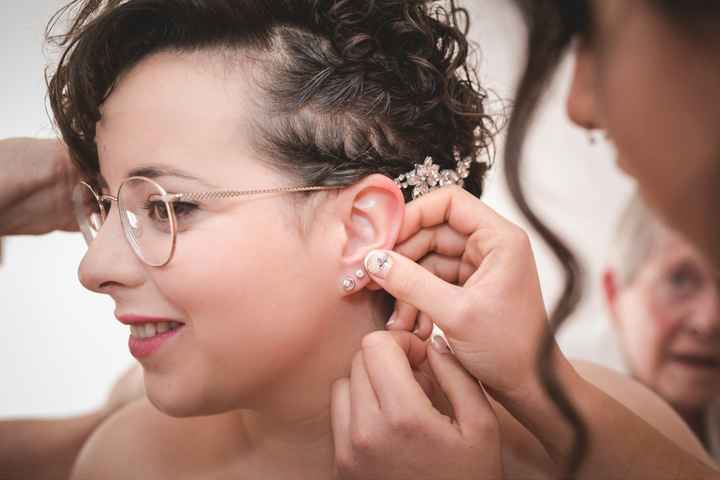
(389,359)
(452,205)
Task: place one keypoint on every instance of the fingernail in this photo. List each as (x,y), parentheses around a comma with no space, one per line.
(439,344)
(378,263)
(393,317)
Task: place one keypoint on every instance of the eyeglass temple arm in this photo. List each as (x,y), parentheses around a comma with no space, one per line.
(175,197)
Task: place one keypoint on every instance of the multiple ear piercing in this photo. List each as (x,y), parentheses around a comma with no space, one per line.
(377,262)
(349,283)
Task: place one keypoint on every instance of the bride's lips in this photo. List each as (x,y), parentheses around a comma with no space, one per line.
(148,334)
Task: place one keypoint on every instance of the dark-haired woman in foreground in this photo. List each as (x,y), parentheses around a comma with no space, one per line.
(648,74)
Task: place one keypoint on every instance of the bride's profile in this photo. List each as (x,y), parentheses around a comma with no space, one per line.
(241,159)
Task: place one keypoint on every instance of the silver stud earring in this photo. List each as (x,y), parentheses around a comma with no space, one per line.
(592,138)
(360,273)
(348,284)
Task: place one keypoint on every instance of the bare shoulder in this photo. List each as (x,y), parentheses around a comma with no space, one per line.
(132,443)
(644,403)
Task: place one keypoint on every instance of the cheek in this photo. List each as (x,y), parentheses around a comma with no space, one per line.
(646,333)
(252,306)
(650,91)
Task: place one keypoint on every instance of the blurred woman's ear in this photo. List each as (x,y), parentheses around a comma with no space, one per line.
(610,289)
(581,102)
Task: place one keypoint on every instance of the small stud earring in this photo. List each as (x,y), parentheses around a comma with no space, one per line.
(348,284)
(360,273)
(592,139)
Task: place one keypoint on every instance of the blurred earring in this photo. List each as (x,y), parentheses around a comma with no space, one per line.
(592,137)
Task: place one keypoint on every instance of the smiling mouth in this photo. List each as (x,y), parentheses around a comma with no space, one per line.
(698,361)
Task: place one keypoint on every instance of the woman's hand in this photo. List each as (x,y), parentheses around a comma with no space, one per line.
(385,425)
(476,279)
(36,187)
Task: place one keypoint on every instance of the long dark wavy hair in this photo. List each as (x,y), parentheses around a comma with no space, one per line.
(353,87)
(552,25)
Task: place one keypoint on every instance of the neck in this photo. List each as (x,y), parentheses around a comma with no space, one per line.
(290,423)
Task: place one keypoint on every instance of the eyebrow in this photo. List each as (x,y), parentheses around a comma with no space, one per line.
(157,171)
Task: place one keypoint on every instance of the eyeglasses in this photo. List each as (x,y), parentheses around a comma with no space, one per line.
(149,214)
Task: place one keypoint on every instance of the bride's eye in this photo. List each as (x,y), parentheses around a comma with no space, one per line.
(158,211)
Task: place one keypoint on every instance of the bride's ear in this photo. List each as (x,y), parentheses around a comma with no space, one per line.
(371,212)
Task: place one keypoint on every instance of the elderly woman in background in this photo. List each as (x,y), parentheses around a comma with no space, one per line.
(664,301)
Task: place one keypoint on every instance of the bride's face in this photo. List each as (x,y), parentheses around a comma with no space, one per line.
(249,291)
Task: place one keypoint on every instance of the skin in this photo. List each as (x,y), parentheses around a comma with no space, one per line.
(668,323)
(249,375)
(641,64)
(46,449)
(347,409)
(35,188)
(654,89)
(475,275)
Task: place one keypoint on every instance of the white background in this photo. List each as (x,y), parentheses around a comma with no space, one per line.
(60,346)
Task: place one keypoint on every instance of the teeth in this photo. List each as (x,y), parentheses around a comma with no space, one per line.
(147,330)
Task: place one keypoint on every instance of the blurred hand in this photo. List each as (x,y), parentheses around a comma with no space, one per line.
(128,388)
(385,425)
(36,187)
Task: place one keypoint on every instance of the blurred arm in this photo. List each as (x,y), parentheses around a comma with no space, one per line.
(35,187)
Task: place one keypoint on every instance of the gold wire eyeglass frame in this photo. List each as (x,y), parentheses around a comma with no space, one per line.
(169,199)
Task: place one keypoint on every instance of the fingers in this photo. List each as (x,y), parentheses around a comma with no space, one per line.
(389,358)
(364,401)
(458,208)
(404,317)
(470,405)
(411,283)
(442,239)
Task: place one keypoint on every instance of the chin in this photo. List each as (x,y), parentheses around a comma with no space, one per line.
(182,401)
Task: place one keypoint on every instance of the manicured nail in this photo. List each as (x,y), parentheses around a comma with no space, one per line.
(439,344)
(378,263)
(393,317)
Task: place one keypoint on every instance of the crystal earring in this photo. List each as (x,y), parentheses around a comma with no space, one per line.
(348,284)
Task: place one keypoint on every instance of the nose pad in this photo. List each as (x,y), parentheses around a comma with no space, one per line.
(109,259)
(134,223)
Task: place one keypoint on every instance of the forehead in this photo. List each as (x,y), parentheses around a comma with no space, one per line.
(185,110)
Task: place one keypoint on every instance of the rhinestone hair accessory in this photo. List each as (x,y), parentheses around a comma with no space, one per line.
(426,177)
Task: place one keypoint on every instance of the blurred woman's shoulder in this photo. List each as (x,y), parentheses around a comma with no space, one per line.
(139,441)
(644,403)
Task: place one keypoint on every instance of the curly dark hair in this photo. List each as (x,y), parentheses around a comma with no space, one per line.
(355,86)
(552,25)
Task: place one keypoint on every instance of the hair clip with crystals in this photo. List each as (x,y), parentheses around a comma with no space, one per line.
(426,177)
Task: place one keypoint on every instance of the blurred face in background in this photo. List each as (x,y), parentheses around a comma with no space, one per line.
(648,74)
(667,318)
